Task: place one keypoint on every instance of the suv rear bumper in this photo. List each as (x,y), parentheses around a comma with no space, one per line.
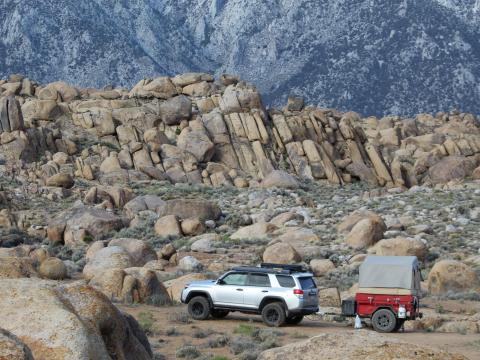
(304,311)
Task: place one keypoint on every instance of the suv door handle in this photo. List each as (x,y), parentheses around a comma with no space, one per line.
(239,289)
(264,290)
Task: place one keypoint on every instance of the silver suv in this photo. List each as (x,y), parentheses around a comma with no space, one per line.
(280,293)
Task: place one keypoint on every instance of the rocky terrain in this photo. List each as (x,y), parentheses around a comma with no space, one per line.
(374,57)
(112,199)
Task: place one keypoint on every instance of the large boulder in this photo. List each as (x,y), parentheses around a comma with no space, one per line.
(204,243)
(196,143)
(451,275)
(12,348)
(16,267)
(451,168)
(11,118)
(53,269)
(349,221)
(111,257)
(280,179)
(140,251)
(63,180)
(69,322)
(281,253)
(189,264)
(40,110)
(365,229)
(142,203)
(175,286)
(329,297)
(400,246)
(260,230)
(188,208)
(176,109)
(130,285)
(167,226)
(76,225)
(321,267)
(352,345)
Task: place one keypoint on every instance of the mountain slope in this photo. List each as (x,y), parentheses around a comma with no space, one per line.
(372,56)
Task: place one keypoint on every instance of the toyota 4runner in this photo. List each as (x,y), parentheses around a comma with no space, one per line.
(280,293)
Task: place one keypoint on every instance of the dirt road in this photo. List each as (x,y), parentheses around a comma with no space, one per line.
(170,329)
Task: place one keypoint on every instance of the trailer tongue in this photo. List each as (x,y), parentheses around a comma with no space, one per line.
(389,291)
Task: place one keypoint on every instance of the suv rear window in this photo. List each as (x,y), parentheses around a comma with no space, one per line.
(286,281)
(307,283)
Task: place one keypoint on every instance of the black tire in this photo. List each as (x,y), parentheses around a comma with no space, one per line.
(273,314)
(294,320)
(199,308)
(399,325)
(384,321)
(219,314)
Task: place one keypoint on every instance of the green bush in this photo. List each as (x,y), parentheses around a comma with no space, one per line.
(146,322)
(188,352)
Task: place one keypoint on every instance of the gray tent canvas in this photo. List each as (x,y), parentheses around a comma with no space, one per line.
(394,272)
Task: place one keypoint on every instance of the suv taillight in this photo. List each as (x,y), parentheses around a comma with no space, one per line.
(298,293)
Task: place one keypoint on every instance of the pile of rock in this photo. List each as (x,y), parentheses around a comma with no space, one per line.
(193,129)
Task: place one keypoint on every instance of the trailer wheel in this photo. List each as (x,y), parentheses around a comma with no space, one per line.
(384,320)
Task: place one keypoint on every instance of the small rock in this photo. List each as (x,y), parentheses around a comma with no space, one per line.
(53,269)
(190,264)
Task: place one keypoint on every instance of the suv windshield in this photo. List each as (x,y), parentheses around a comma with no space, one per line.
(307,283)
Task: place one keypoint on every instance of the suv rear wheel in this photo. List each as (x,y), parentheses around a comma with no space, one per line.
(273,314)
(384,320)
(199,308)
(294,320)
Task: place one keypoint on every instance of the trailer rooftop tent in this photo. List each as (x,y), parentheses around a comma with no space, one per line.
(380,274)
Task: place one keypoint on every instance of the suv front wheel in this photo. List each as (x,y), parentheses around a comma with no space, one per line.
(273,314)
(199,308)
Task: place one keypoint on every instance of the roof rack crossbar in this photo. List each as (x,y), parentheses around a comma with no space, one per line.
(291,268)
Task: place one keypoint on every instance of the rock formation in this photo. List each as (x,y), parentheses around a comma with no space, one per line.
(193,129)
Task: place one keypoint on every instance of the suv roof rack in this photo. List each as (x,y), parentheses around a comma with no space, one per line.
(291,268)
(268,268)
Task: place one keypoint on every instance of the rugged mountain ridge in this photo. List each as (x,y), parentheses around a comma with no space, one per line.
(377,58)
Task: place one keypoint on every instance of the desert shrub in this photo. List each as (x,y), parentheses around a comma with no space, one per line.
(245,329)
(461,296)
(158,300)
(218,342)
(202,333)
(172,331)
(181,317)
(240,344)
(236,220)
(187,352)
(249,355)
(146,322)
(157,356)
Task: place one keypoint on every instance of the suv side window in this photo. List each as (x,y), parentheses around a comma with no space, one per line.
(286,281)
(235,279)
(259,280)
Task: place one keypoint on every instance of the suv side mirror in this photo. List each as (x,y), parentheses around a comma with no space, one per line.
(220,282)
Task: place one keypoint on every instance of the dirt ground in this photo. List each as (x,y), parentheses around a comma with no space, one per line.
(171,329)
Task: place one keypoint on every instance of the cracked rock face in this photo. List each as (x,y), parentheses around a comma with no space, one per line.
(375,58)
